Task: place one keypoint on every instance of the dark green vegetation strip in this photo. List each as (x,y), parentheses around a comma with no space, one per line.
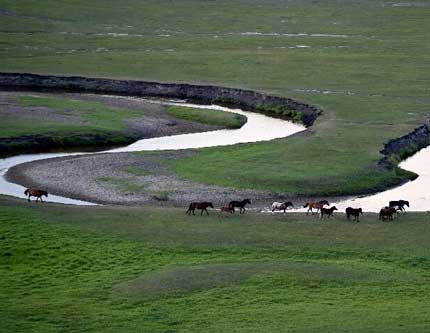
(206,116)
(131,269)
(365,64)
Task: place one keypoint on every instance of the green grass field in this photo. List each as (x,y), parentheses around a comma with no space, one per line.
(157,270)
(96,117)
(132,269)
(363,62)
(206,116)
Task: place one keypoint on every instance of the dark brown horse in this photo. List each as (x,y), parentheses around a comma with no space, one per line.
(327,211)
(399,205)
(240,204)
(199,205)
(34,192)
(353,212)
(387,213)
(315,204)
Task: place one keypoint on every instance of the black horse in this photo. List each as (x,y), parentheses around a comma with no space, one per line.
(240,204)
(353,212)
(400,204)
(199,205)
(327,211)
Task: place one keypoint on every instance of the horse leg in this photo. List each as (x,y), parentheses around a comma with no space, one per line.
(29,198)
(207,213)
(41,199)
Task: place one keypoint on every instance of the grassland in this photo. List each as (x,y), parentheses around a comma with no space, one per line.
(363,62)
(153,270)
(206,116)
(94,116)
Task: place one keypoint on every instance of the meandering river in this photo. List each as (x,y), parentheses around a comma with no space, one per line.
(258,128)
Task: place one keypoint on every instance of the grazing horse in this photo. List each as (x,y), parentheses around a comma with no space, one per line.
(327,211)
(240,204)
(34,192)
(387,213)
(400,204)
(281,206)
(315,204)
(227,209)
(353,212)
(199,205)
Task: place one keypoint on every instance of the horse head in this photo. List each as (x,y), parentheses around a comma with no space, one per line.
(360,210)
(247,201)
(334,208)
(210,205)
(45,193)
(325,202)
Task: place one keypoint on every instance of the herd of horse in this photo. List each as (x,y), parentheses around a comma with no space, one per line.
(386,213)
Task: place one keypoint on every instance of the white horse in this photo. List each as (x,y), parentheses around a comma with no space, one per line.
(281,205)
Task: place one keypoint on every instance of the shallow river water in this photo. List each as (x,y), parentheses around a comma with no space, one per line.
(258,128)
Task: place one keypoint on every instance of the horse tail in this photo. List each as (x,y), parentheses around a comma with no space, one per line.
(307,204)
(26,191)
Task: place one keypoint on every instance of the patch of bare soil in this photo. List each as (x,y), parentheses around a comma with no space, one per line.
(126,178)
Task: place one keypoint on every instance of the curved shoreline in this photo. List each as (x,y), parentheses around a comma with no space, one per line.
(249,100)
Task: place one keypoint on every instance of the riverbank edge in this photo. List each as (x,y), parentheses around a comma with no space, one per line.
(274,106)
(43,143)
(399,149)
